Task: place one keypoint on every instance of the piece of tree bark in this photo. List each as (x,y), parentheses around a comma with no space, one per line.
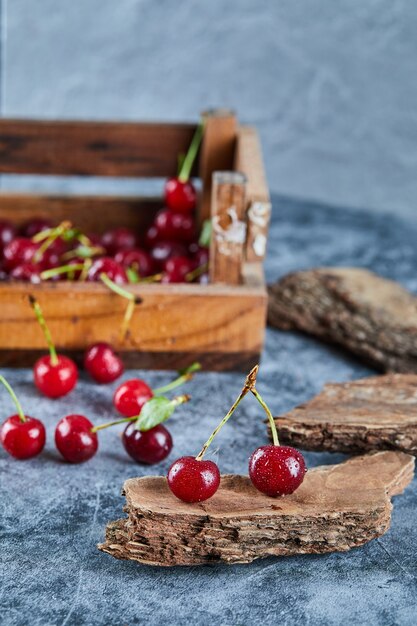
(378,413)
(336,508)
(371,316)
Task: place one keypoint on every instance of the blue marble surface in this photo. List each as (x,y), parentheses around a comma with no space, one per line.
(54,514)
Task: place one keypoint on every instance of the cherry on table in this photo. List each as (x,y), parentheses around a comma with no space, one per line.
(136,259)
(118,239)
(55,375)
(22,436)
(130,397)
(147,447)
(19,251)
(110,267)
(192,480)
(276,470)
(102,363)
(180,196)
(75,439)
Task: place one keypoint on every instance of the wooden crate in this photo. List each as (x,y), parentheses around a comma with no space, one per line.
(221,324)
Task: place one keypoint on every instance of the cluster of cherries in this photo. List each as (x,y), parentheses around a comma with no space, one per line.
(274,470)
(145,439)
(170,251)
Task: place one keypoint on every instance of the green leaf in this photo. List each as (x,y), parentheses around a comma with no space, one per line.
(154,412)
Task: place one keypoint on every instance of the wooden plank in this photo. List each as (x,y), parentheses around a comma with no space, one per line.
(92,148)
(225,320)
(89,213)
(217,152)
(248,160)
(213,361)
(228,228)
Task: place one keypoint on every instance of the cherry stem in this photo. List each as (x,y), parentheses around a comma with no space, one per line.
(13,396)
(108,424)
(49,239)
(42,323)
(201,269)
(155,278)
(63,269)
(249,384)
(269,414)
(188,162)
(124,329)
(184,377)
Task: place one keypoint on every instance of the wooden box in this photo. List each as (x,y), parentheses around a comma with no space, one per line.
(221,324)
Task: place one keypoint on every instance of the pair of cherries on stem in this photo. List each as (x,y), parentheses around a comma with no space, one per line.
(274,470)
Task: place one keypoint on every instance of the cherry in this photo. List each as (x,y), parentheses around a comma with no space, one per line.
(55,378)
(28,272)
(54,375)
(148,447)
(19,251)
(192,480)
(35,226)
(22,436)
(109,267)
(164,250)
(180,196)
(118,239)
(152,236)
(76,439)
(174,226)
(200,256)
(136,259)
(130,397)
(102,363)
(180,193)
(276,470)
(176,269)
(7,233)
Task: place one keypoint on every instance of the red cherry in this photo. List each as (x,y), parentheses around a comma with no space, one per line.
(193,481)
(57,380)
(200,256)
(7,233)
(23,439)
(152,237)
(277,470)
(19,251)
(136,259)
(118,239)
(149,447)
(174,226)
(164,250)
(75,440)
(35,226)
(28,272)
(108,266)
(180,196)
(130,397)
(176,269)
(102,363)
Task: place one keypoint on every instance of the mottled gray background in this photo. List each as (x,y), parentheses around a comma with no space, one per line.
(332,86)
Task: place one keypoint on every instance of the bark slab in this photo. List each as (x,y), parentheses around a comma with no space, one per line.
(377,413)
(337,507)
(371,316)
